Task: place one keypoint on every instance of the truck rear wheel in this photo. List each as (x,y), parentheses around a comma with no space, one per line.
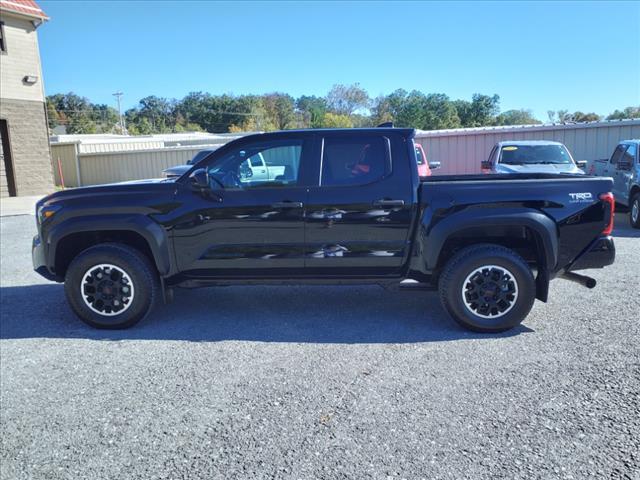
(634,210)
(487,288)
(111,286)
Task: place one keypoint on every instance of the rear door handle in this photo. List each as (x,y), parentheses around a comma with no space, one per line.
(287,205)
(388,203)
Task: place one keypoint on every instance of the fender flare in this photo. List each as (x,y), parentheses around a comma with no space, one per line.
(537,221)
(153,233)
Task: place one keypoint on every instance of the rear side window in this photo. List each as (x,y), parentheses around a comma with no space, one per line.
(354,161)
(617,154)
(630,154)
(419,156)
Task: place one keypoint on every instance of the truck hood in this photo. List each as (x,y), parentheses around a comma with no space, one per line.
(538,168)
(157,185)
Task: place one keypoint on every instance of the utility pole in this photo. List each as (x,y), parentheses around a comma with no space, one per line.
(118,95)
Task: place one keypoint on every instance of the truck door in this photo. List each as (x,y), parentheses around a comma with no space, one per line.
(359,214)
(249,227)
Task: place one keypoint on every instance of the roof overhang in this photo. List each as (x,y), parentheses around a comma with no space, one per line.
(25,11)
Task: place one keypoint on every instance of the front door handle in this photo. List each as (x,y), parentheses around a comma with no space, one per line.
(287,205)
(388,203)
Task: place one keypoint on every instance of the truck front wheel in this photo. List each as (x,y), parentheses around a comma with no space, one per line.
(111,286)
(487,288)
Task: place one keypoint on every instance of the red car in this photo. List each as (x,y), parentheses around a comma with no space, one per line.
(424,167)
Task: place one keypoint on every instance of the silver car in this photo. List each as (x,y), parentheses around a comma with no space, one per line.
(531,156)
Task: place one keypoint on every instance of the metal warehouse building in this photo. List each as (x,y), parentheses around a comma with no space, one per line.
(462,150)
(94,159)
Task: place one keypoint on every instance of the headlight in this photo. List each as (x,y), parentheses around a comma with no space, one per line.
(46,211)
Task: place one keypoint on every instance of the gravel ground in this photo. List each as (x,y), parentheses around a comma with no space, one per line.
(319,382)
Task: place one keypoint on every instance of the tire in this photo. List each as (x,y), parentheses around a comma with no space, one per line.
(120,275)
(502,272)
(634,210)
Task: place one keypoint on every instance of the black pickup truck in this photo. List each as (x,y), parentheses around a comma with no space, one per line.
(347,206)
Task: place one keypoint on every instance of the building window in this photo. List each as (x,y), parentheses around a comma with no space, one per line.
(3,39)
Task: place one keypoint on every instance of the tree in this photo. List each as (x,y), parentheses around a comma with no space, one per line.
(345,100)
(627,113)
(563,116)
(517,117)
(53,117)
(416,110)
(105,117)
(585,117)
(312,109)
(73,111)
(440,113)
(335,120)
(279,109)
(480,112)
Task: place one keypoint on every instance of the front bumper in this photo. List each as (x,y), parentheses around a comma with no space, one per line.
(39,259)
(599,254)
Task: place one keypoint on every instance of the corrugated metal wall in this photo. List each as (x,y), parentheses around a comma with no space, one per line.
(119,146)
(63,156)
(461,151)
(108,167)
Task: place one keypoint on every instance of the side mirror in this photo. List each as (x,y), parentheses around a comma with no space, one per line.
(434,165)
(582,164)
(622,165)
(485,165)
(199,179)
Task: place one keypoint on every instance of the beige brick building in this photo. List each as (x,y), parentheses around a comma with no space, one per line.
(25,160)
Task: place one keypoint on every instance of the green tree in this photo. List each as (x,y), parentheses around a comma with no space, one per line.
(74,111)
(335,120)
(416,110)
(480,112)
(517,117)
(585,117)
(563,116)
(53,117)
(440,113)
(105,117)
(627,113)
(347,99)
(312,109)
(279,109)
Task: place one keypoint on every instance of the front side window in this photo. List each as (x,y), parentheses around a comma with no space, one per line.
(244,167)
(535,154)
(354,161)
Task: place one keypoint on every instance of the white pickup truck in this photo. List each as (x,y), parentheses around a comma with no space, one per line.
(255,169)
(624,168)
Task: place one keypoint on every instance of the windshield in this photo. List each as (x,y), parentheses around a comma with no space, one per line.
(535,154)
(199,156)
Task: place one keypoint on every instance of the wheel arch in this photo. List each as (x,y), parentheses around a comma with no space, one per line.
(74,235)
(519,229)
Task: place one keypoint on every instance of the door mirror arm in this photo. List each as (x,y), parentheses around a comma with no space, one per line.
(199,181)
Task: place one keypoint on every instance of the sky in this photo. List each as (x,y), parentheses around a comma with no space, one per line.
(541,56)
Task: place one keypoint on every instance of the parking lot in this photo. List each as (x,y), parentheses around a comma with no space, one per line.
(319,382)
